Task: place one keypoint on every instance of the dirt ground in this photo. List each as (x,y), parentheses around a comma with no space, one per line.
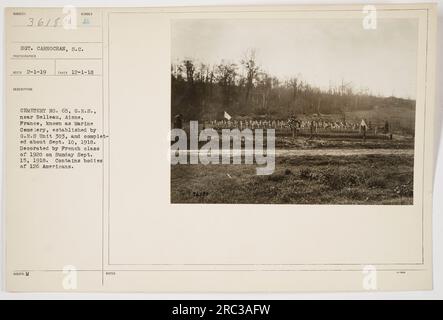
(300,179)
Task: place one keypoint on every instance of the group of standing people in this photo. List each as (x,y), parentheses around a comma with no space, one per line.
(313,126)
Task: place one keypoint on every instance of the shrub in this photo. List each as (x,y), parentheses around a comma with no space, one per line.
(276,177)
(339,179)
(376,182)
(306,173)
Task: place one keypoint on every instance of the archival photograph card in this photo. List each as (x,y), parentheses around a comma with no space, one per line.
(219,149)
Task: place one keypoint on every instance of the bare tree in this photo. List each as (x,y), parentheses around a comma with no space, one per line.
(226,79)
(252,69)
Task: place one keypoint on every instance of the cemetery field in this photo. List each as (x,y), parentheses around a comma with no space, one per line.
(374,177)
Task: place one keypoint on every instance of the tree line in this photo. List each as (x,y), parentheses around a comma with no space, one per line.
(244,89)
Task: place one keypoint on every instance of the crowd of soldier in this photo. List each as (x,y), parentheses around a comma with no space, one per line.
(296,126)
(291,123)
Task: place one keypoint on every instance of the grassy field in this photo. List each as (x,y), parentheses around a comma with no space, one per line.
(362,179)
(319,143)
(288,142)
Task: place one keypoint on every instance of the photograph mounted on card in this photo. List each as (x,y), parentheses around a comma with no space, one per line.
(220,149)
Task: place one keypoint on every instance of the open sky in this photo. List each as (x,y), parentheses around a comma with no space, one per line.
(321,52)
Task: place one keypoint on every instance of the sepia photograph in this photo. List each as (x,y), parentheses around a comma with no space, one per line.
(293,111)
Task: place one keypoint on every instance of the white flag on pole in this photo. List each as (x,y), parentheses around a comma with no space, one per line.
(227,116)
